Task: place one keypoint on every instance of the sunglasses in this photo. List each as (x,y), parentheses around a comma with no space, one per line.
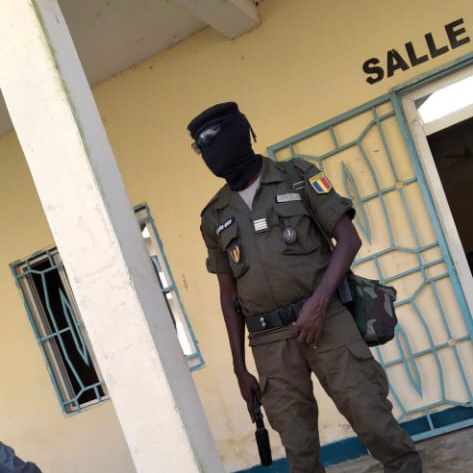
(205,137)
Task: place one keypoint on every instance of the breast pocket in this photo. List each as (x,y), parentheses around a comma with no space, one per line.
(294,217)
(229,241)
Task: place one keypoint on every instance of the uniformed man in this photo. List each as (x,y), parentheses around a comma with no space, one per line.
(277,274)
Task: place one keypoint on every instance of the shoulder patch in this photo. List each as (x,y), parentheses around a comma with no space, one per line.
(222,226)
(320,183)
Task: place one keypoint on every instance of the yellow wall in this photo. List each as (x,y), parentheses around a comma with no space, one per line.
(299,68)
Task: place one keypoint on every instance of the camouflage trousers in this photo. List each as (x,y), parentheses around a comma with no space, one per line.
(353,379)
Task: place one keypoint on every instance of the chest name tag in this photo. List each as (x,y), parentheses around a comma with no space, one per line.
(260,224)
(289,197)
(220,228)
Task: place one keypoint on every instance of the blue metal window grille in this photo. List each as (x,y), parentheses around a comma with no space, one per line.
(54,316)
(429,362)
(60,332)
(154,245)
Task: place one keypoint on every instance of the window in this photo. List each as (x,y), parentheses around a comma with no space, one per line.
(154,245)
(61,334)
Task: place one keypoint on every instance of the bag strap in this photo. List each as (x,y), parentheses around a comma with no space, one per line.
(295,179)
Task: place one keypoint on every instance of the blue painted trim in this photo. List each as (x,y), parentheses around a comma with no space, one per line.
(310,131)
(36,331)
(348,449)
(436,73)
(352,191)
(197,355)
(279,466)
(444,421)
(341,451)
(72,327)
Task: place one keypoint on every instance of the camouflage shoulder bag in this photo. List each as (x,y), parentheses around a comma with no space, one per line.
(372,307)
(370,302)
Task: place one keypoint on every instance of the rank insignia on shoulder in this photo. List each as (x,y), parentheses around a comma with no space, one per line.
(320,183)
(220,228)
(235,253)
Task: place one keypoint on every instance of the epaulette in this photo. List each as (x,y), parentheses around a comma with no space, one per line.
(302,164)
(221,197)
(296,169)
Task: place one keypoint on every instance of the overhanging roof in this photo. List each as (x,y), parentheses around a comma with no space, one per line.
(112,35)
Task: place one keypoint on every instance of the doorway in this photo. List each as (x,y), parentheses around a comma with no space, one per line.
(440,118)
(452,150)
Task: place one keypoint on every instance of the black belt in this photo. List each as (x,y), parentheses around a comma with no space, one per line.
(274,318)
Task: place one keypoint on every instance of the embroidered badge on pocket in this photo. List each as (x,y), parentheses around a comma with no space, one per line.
(235,253)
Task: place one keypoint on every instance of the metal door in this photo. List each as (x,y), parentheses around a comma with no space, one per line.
(368,156)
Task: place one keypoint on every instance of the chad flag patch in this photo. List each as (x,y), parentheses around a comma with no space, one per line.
(235,253)
(320,183)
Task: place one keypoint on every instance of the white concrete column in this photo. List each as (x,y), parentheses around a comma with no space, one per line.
(83,196)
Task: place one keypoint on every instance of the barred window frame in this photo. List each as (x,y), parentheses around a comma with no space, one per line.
(60,331)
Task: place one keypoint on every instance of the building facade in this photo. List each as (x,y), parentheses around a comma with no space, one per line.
(346,85)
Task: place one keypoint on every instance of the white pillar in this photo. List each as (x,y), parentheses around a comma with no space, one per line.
(83,196)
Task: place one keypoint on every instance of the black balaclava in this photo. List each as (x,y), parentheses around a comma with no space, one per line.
(227,148)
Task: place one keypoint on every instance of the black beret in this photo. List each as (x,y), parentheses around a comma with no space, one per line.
(216,111)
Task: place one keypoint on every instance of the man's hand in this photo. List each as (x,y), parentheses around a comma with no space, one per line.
(234,321)
(249,388)
(312,315)
(311,319)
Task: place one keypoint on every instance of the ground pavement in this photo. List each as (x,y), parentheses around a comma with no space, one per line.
(449,453)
